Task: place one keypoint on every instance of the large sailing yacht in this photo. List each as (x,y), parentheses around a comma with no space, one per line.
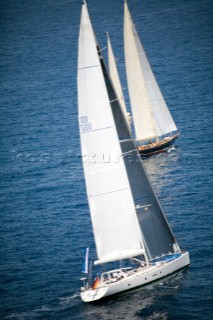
(127,219)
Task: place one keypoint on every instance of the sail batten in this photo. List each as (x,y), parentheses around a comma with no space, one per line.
(101,194)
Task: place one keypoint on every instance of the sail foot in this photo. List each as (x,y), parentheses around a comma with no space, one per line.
(120,256)
(146,138)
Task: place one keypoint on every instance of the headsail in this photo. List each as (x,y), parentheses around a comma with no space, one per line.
(113,72)
(157,236)
(115,224)
(150,113)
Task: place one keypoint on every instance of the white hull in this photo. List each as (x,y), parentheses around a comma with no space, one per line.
(141,276)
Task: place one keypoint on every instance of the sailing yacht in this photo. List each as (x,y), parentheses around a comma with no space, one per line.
(128,223)
(154,126)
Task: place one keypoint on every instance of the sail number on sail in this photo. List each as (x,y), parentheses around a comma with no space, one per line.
(85,125)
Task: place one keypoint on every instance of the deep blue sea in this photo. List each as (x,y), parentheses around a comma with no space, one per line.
(44,219)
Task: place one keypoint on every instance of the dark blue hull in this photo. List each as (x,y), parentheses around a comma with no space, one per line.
(157,147)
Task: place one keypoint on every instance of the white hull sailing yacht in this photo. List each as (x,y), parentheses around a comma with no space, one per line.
(128,223)
(128,278)
(155,129)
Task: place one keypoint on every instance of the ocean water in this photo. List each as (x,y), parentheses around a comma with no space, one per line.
(44,217)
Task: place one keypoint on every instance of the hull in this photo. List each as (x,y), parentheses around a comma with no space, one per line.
(141,276)
(157,147)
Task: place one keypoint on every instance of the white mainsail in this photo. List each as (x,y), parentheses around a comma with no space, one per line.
(113,72)
(150,113)
(115,225)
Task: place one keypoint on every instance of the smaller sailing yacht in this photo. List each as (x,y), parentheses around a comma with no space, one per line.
(129,225)
(155,129)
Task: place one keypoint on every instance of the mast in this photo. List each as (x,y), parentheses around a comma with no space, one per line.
(150,113)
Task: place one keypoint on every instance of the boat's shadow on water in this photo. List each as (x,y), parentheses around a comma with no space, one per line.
(149,302)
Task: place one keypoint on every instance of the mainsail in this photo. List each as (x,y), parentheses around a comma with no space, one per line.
(126,216)
(115,224)
(151,116)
